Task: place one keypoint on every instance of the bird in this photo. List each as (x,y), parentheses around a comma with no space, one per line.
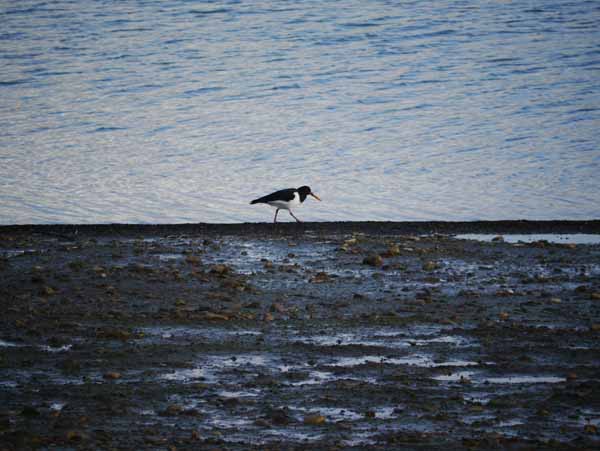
(286,199)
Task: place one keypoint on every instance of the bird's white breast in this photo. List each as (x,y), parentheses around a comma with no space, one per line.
(286,204)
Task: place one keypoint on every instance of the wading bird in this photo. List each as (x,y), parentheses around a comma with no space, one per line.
(286,199)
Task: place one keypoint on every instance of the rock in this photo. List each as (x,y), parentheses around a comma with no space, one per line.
(211,316)
(279,417)
(464,380)
(268,317)
(543,413)
(504,316)
(48,291)
(392,251)
(590,429)
(498,239)
(193,260)
(74,436)
(373,260)
(278,307)
(113,334)
(595,296)
(261,422)
(321,277)
(351,242)
(423,294)
(555,301)
(314,419)
(111,375)
(173,409)
(430,266)
(220,269)
(195,436)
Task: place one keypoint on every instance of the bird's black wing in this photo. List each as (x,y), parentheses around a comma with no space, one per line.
(284,194)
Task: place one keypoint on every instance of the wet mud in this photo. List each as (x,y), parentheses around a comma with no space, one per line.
(314,336)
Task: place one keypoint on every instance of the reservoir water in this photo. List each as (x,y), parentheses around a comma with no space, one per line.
(184,111)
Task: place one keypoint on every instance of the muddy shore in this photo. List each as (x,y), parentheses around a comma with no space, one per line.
(314,336)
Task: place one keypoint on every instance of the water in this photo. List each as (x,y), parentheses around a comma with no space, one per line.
(183,111)
(573,238)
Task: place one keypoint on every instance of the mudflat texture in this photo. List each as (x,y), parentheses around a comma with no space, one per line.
(312,336)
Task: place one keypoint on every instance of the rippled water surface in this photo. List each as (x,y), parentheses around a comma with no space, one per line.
(183,111)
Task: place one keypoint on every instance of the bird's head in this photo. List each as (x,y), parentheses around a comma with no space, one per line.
(305,191)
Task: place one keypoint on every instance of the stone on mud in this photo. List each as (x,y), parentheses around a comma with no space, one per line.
(220,269)
(321,277)
(314,419)
(373,260)
(278,417)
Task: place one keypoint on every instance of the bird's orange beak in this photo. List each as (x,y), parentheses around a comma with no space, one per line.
(315,196)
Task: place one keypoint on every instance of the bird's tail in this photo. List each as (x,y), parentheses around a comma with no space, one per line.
(255,201)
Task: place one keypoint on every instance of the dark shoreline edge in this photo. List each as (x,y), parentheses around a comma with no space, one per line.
(289,228)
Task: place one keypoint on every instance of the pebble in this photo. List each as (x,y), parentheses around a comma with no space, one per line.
(220,269)
(373,260)
(314,420)
(430,266)
(193,260)
(321,277)
(112,375)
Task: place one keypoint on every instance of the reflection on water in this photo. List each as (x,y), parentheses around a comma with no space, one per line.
(179,111)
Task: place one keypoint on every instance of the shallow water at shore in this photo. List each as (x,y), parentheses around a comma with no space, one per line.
(575,238)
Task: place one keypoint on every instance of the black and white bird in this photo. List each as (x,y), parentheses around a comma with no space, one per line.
(286,199)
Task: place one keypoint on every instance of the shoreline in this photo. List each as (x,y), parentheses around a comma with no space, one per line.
(591,226)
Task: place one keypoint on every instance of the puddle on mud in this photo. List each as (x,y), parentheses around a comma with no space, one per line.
(238,394)
(249,256)
(475,378)
(57,406)
(411,360)
(11,253)
(572,238)
(526,380)
(455,377)
(214,334)
(63,348)
(186,375)
(389,338)
(8,344)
